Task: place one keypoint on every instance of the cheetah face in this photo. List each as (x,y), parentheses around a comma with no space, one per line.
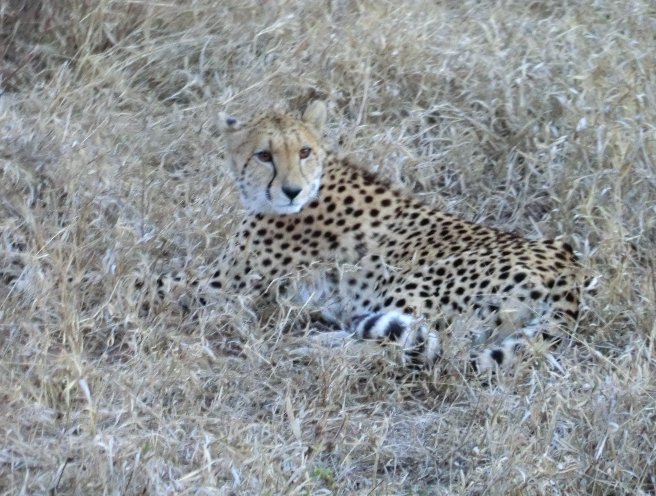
(277,160)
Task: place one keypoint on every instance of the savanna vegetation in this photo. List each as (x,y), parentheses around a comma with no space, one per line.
(532,116)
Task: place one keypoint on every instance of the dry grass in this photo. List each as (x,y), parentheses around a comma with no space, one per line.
(531,116)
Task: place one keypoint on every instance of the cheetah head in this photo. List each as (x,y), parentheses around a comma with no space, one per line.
(276,159)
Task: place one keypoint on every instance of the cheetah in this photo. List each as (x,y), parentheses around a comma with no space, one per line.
(414,269)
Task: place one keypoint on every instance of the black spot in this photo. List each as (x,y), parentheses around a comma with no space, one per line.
(550,338)
(536,295)
(519,277)
(368,324)
(395,330)
(497,356)
(572,313)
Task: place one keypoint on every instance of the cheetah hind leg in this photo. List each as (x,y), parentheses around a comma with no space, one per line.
(514,348)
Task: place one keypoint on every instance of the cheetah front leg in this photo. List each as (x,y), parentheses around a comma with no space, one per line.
(419,345)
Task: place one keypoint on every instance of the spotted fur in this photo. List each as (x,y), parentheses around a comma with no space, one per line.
(414,270)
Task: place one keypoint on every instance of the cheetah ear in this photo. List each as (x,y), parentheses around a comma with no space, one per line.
(228,124)
(315,115)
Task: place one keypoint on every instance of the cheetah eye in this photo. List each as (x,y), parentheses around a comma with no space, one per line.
(305,152)
(264,156)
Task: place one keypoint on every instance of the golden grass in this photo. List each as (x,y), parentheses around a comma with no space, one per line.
(531,116)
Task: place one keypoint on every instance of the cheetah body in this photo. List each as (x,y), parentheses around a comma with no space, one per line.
(409,271)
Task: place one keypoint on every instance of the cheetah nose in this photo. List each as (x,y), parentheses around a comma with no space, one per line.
(291,192)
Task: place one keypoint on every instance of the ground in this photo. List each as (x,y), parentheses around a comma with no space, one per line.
(532,117)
